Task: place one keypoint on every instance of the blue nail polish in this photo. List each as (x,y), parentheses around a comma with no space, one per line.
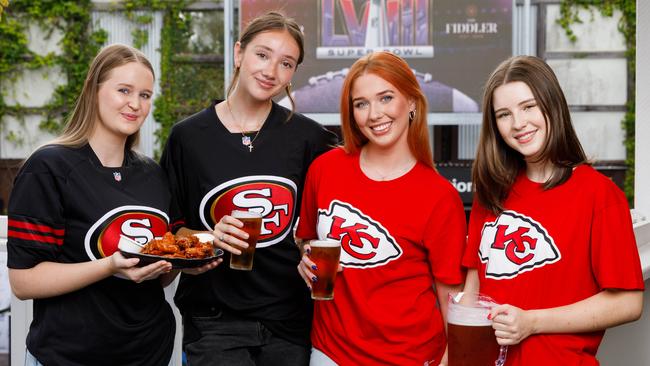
(314,279)
(313,266)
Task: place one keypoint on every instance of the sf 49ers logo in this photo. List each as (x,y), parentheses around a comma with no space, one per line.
(514,244)
(139,223)
(273,197)
(364,241)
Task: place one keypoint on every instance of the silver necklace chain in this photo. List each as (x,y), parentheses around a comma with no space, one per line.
(245,139)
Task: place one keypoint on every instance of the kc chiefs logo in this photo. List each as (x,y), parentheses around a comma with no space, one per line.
(364,241)
(514,244)
(273,197)
(139,223)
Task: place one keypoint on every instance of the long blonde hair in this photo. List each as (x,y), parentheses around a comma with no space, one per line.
(81,122)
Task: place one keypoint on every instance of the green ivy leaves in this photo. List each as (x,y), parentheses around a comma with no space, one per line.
(569,10)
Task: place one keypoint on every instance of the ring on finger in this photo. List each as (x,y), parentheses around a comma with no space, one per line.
(223,238)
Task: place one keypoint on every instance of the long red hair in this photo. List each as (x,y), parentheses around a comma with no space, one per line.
(396,71)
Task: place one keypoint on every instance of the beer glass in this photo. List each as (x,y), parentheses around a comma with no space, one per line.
(325,254)
(252,225)
(470,337)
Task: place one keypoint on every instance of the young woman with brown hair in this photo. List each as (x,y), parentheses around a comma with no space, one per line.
(247,153)
(549,236)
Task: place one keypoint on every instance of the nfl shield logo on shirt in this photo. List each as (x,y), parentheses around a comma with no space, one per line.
(117,176)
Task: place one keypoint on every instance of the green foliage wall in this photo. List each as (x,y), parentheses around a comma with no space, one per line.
(569,15)
(79,45)
(186,85)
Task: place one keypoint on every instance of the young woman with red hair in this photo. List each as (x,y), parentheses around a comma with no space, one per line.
(401,226)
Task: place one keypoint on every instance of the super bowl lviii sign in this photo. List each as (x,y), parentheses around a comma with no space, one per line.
(451,45)
(398,27)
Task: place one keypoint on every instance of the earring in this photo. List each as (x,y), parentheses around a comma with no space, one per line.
(289,85)
(411,115)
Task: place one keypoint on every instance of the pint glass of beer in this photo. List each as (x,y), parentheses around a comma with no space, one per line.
(471,339)
(325,254)
(252,225)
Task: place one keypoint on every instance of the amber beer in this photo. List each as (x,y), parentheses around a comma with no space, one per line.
(252,225)
(470,335)
(325,254)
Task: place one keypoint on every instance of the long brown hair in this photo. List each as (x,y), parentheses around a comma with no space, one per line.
(396,71)
(271,21)
(497,165)
(81,122)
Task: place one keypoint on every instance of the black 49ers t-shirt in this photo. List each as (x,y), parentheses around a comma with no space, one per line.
(66,207)
(211,172)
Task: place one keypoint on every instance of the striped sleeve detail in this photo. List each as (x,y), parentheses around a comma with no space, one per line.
(34,231)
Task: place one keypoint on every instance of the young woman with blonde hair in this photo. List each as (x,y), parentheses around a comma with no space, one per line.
(71,201)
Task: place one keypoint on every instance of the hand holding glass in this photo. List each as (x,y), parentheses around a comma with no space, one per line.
(325,254)
(471,339)
(252,225)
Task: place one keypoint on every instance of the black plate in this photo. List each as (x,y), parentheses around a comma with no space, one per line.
(177,263)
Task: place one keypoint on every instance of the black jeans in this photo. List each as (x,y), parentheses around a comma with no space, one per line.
(218,339)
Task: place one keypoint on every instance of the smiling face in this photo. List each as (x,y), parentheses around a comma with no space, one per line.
(519,119)
(380,111)
(124,101)
(267,64)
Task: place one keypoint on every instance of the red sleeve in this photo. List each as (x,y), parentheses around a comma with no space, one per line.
(476,221)
(614,254)
(445,238)
(308,207)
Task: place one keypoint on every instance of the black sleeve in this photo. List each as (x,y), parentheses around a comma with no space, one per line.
(322,141)
(36,226)
(171,162)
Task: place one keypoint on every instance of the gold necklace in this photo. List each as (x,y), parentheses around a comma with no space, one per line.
(245,139)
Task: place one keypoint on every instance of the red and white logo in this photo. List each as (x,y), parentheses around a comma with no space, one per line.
(273,197)
(515,244)
(139,223)
(364,242)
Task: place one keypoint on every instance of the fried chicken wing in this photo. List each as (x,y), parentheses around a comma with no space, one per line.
(178,247)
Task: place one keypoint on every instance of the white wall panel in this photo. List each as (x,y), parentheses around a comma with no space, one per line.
(592,81)
(34,88)
(595,33)
(642,154)
(600,134)
(42,42)
(29,134)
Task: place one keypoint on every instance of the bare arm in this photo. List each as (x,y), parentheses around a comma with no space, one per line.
(442,291)
(472,285)
(49,279)
(603,310)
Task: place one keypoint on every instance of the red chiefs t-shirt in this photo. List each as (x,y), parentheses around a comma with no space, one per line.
(553,248)
(397,237)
